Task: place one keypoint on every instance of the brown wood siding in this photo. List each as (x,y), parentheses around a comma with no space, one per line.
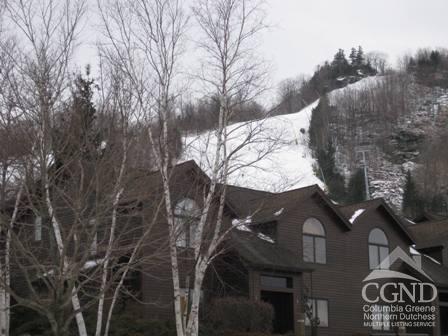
(340,279)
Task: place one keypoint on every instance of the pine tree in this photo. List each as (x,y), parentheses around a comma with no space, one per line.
(76,136)
(319,124)
(353,56)
(412,204)
(333,179)
(356,187)
(340,65)
(359,57)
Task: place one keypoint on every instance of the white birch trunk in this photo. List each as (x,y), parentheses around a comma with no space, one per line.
(60,244)
(105,274)
(3,305)
(5,274)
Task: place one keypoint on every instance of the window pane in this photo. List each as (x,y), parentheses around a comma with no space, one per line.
(313,226)
(308,249)
(181,237)
(38,228)
(377,236)
(322,312)
(187,208)
(94,245)
(193,228)
(321,254)
(373,256)
(275,282)
(384,252)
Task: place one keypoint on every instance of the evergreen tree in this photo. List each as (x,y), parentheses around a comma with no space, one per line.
(319,124)
(340,65)
(76,136)
(360,57)
(356,187)
(353,56)
(412,204)
(330,174)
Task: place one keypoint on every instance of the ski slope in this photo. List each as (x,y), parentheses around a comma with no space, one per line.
(274,154)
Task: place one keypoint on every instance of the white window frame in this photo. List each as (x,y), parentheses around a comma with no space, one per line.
(186,224)
(381,251)
(315,237)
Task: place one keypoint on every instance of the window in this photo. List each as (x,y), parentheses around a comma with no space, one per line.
(94,245)
(378,248)
(38,228)
(275,281)
(380,320)
(314,243)
(187,215)
(319,309)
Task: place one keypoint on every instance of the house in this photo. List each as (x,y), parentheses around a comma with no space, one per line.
(431,242)
(322,250)
(299,247)
(297,250)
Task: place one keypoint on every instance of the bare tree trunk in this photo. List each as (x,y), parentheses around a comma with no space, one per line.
(61,248)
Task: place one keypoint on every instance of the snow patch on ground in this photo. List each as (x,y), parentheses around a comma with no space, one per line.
(277,158)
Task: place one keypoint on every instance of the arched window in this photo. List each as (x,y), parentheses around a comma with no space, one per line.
(378,248)
(186,215)
(314,242)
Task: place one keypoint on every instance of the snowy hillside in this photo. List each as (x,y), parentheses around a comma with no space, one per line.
(283,160)
(278,146)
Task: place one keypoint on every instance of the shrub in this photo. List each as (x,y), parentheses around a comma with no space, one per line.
(241,315)
(128,325)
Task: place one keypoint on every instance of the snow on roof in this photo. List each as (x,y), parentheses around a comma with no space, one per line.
(356,214)
(409,221)
(242,225)
(266,238)
(279,212)
(412,250)
(92,263)
(432,259)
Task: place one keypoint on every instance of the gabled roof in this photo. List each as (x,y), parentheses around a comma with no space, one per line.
(245,201)
(375,205)
(426,217)
(151,181)
(430,234)
(265,207)
(263,255)
(437,272)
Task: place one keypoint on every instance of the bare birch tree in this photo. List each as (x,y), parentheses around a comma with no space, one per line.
(146,39)
(73,180)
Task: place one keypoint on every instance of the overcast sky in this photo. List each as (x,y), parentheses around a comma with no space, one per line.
(307,32)
(304,33)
